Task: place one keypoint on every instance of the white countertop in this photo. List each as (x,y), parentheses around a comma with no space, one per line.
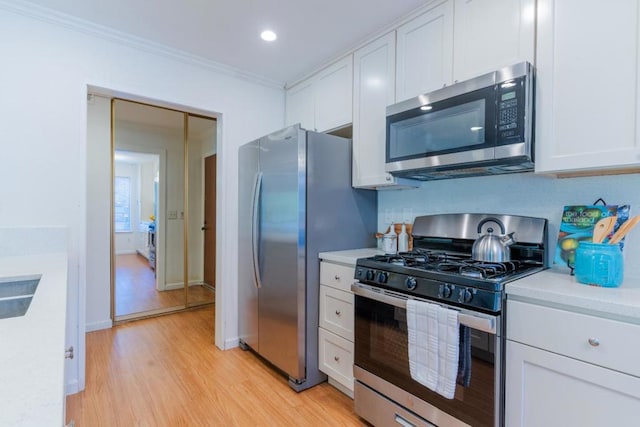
(32,350)
(349,256)
(557,287)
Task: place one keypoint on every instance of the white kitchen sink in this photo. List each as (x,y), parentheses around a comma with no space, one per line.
(16,294)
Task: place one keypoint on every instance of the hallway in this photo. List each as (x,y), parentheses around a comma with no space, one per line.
(136,290)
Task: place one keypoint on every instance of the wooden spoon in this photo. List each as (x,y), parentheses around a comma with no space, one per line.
(603,228)
(624,229)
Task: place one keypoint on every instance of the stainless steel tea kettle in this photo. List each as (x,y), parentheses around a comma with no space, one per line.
(491,248)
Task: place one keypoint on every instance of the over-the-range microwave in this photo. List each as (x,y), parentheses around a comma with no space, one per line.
(477,127)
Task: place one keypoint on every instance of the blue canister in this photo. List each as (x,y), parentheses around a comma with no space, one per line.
(599,264)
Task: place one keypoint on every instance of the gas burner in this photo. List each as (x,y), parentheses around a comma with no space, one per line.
(480,269)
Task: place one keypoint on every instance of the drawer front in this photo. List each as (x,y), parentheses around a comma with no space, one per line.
(337,276)
(336,357)
(336,311)
(603,342)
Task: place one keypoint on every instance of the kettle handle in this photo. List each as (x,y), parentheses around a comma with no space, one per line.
(491,219)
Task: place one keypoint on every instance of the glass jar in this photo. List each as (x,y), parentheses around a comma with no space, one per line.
(599,264)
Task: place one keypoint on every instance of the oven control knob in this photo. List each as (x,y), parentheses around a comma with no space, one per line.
(411,283)
(382,277)
(465,295)
(370,275)
(446,290)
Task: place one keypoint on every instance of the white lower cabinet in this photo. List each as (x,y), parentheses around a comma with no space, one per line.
(336,325)
(569,369)
(336,359)
(548,389)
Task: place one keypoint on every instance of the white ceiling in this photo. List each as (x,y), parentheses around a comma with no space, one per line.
(310,32)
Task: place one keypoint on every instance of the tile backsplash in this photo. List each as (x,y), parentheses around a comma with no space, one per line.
(517,194)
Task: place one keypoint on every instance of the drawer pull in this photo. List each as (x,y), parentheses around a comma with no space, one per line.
(336,358)
(336,277)
(338,313)
(594,342)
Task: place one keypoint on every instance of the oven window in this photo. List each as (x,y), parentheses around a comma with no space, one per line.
(381,348)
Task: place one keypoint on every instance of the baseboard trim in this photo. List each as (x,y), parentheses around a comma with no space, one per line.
(127,252)
(231,343)
(174,286)
(71,387)
(97,326)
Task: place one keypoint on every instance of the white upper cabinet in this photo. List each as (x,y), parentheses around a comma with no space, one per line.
(491,34)
(334,89)
(424,52)
(373,90)
(588,78)
(301,105)
(324,101)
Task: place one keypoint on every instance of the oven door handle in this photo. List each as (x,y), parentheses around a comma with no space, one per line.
(485,323)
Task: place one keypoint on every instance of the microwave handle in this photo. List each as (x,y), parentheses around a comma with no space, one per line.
(474,321)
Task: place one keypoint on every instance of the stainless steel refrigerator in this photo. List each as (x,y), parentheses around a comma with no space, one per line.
(295,200)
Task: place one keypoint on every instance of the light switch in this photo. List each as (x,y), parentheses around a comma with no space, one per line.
(172,214)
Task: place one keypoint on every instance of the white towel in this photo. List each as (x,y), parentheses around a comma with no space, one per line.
(433,346)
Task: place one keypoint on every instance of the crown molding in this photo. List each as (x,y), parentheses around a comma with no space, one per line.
(65,20)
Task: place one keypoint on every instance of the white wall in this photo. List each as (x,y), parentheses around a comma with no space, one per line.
(519,194)
(46,71)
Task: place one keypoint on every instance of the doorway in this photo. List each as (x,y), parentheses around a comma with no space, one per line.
(159,229)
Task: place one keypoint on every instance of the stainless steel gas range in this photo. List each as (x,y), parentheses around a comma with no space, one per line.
(439,270)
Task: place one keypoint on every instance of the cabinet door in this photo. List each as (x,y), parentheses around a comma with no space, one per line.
(587,86)
(425,52)
(301,105)
(333,94)
(547,389)
(373,89)
(491,34)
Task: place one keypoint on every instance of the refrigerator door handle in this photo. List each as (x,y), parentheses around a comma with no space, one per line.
(255,225)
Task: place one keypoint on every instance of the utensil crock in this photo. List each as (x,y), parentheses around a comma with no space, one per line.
(599,264)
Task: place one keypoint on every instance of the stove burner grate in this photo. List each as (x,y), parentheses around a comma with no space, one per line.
(450,263)
(480,269)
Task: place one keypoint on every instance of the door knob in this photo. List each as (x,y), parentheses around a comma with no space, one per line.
(204,228)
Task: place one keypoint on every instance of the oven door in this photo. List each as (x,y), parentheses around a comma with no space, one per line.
(382,367)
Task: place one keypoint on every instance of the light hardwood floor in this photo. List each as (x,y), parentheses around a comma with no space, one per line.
(136,288)
(166,371)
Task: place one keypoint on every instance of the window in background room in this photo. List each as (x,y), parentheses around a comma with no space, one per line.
(122,204)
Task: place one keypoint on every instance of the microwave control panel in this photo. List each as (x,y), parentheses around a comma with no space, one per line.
(511,110)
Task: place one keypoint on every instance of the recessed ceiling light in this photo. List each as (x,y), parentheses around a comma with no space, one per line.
(268,35)
(426,107)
